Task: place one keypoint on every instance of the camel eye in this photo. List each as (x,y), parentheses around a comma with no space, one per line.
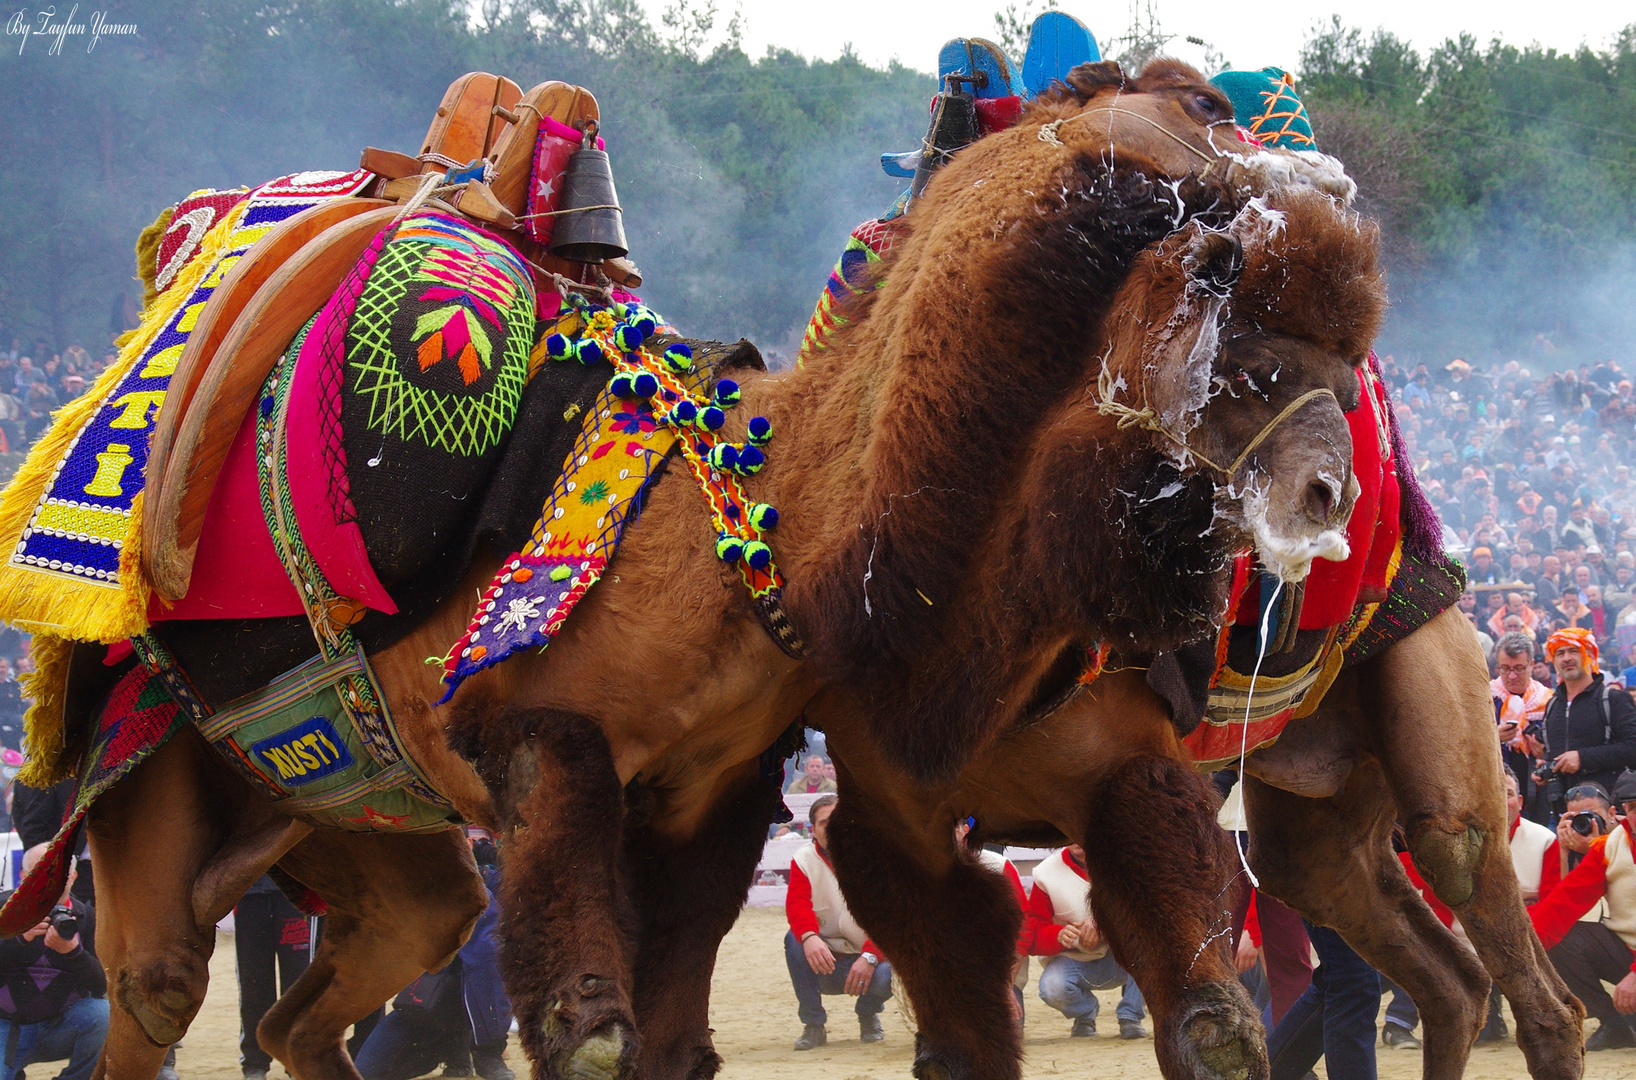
(1207,104)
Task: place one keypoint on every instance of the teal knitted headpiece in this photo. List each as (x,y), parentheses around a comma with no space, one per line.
(1266,103)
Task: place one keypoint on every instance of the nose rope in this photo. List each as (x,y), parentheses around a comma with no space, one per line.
(1147,419)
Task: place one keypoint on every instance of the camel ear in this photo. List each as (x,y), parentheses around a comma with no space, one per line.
(1086,79)
(1215,262)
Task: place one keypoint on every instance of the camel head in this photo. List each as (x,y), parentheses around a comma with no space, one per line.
(1236,348)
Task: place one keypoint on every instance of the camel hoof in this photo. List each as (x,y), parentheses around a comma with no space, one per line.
(605,1054)
(1220,1038)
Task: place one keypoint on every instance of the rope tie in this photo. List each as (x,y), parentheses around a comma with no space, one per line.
(1126,417)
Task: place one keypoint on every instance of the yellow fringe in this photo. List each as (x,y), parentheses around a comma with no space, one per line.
(47,684)
(47,603)
(147,256)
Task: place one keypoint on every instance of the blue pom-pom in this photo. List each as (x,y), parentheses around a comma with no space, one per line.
(724,458)
(711,417)
(758,555)
(588,352)
(729,548)
(558,347)
(732,511)
(620,385)
(682,414)
(627,337)
(750,461)
(761,430)
(267,406)
(727,393)
(680,358)
(645,385)
(763,516)
(621,310)
(645,324)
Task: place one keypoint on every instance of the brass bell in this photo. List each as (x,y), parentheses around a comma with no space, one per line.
(590,228)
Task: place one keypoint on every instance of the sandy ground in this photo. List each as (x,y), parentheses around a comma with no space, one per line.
(754,1017)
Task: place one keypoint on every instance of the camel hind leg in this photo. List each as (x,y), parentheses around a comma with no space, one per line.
(1434,720)
(399,904)
(688,891)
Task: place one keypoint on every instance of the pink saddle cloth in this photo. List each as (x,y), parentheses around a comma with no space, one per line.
(236,573)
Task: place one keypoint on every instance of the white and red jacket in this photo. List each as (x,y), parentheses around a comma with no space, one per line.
(814,905)
(1061,897)
(1606,872)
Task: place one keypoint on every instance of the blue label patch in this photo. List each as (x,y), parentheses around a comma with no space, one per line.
(309,751)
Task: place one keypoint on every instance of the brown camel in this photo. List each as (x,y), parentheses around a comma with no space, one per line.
(946,467)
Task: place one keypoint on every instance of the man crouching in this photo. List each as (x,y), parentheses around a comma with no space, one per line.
(827,951)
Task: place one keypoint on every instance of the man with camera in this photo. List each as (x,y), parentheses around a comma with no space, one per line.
(1587,953)
(52,991)
(1589,731)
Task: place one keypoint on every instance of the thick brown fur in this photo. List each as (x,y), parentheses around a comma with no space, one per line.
(1096,777)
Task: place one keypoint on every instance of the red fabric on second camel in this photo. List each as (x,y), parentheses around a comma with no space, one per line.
(798,905)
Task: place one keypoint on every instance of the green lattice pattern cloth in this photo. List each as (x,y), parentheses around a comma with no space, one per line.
(416,401)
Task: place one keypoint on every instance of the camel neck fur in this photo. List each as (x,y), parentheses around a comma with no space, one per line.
(907,449)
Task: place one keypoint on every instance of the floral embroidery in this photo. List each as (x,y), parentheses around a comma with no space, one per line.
(634,418)
(595,491)
(518,612)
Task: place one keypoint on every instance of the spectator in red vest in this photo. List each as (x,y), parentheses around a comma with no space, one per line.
(1060,925)
(1587,954)
(826,950)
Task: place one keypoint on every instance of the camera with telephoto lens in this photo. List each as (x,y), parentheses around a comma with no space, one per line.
(1585,822)
(65,922)
(1545,775)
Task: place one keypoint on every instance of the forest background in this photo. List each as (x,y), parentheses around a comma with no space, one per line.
(1504,174)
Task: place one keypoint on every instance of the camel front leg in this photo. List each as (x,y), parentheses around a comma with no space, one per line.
(1331,859)
(947,925)
(1434,719)
(1153,848)
(566,960)
(688,891)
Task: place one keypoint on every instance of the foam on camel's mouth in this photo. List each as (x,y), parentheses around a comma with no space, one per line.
(1291,557)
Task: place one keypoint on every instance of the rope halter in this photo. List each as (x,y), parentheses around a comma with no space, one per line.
(1147,419)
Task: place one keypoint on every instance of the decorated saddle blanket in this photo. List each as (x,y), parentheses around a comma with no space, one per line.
(413,371)
(73,511)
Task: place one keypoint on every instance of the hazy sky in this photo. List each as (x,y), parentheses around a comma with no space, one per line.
(912,30)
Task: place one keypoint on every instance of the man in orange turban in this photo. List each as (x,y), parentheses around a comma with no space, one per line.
(1589,728)
(1574,637)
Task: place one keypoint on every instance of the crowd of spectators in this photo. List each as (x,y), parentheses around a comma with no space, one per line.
(36,382)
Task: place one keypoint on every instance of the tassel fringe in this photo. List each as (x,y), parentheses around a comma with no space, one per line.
(45,603)
(44,741)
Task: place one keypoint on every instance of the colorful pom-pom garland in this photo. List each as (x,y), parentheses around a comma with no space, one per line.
(620,333)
